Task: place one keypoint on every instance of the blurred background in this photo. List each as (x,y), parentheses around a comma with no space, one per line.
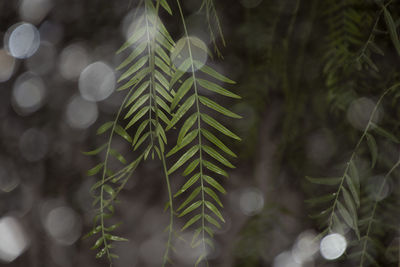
(55,54)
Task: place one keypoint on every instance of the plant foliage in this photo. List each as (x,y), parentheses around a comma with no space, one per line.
(162,80)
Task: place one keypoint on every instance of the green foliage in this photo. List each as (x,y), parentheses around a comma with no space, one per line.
(343,207)
(167,93)
(159,96)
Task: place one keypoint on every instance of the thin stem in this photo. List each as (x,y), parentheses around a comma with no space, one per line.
(198,126)
(104,175)
(369,124)
(371,218)
(151,47)
(171,208)
(149,41)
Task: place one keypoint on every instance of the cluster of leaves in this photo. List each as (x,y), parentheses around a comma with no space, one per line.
(353,196)
(353,204)
(163,80)
(346,22)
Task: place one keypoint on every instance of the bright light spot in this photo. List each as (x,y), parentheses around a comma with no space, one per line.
(97,82)
(64,225)
(73,60)
(33,145)
(305,247)
(81,113)
(184,250)
(7,66)
(13,240)
(152,251)
(22,40)
(181,52)
(28,93)
(360,111)
(34,10)
(378,187)
(250,3)
(9,178)
(251,201)
(42,62)
(285,259)
(333,246)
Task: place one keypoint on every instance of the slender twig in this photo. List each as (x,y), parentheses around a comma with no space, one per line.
(104,175)
(371,218)
(198,126)
(367,128)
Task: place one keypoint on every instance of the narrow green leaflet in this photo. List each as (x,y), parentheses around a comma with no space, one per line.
(384,133)
(137,117)
(186,140)
(191,221)
(211,181)
(185,157)
(189,199)
(95,169)
(186,127)
(216,88)
(135,53)
(213,139)
(218,126)
(213,105)
(121,132)
(137,93)
(214,168)
(139,64)
(96,151)
(191,208)
(214,195)
(182,110)
(213,73)
(346,215)
(392,29)
(373,148)
(215,210)
(188,184)
(103,128)
(181,92)
(213,153)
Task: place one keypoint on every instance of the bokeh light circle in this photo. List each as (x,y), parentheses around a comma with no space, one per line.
(28,93)
(22,40)
(73,59)
(97,82)
(251,201)
(333,246)
(13,240)
(81,113)
(64,225)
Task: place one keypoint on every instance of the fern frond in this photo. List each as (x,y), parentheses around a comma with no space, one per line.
(108,186)
(198,205)
(346,30)
(146,68)
(343,210)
